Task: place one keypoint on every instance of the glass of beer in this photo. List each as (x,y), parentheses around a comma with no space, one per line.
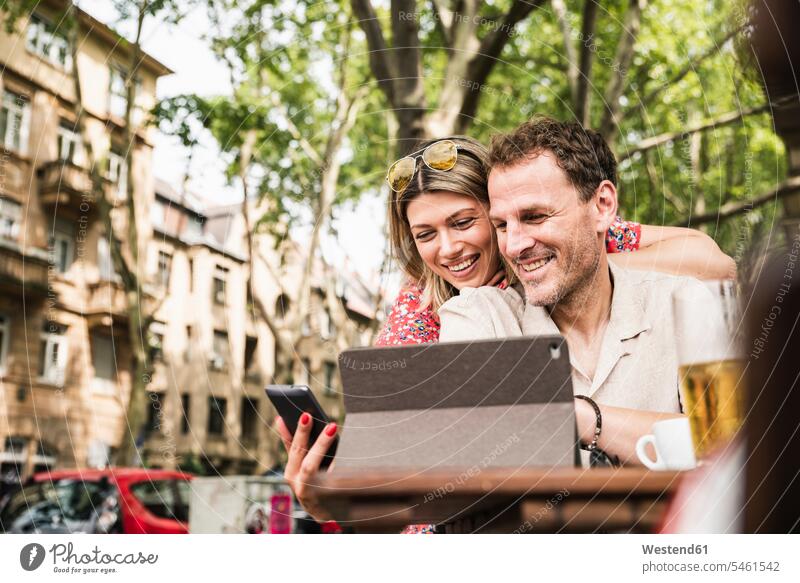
(708,330)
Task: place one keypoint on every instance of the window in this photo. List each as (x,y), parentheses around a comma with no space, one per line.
(13,459)
(69,142)
(158,214)
(157,331)
(250,345)
(15,119)
(105,264)
(191,275)
(218,289)
(118,173)
(62,245)
(48,42)
(53,353)
(186,408)
(217,408)
(330,377)
(10,211)
(189,336)
(249,418)
(117,95)
(305,371)
(15,448)
(194,227)
(324,324)
(104,363)
(45,458)
(221,350)
(162,498)
(154,413)
(5,334)
(164,268)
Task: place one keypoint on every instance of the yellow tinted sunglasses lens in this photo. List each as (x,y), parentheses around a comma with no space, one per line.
(401,173)
(441,155)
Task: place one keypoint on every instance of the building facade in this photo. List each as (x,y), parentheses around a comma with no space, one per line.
(63,365)
(65,358)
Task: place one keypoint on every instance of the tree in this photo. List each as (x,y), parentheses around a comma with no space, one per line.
(472,36)
(658,80)
(287,131)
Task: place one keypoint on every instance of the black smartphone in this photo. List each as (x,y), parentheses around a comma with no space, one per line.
(291,401)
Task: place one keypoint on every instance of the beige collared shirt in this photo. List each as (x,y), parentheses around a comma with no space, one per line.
(637,367)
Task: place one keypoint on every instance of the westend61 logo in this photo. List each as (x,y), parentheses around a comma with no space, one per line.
(66,560)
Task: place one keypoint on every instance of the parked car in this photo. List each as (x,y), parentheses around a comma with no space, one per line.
(112,500)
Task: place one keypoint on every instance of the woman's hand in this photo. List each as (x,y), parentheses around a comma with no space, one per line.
(304,462)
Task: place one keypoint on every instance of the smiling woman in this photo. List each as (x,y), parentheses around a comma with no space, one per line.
(453,237)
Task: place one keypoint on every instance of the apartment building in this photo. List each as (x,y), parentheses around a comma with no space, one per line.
(64,350)
(64,361)
(213,356)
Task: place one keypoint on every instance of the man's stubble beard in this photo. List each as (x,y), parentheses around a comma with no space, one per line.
(577,280)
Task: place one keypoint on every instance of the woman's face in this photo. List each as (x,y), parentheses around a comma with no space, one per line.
(454,237)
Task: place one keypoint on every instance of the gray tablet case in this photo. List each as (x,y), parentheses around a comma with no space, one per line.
(501,403)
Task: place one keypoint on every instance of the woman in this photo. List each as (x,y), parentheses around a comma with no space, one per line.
(443,240)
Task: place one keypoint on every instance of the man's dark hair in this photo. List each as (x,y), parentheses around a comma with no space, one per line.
(582,153)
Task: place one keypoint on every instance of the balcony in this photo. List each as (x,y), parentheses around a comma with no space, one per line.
(21,270)
(16,172)
(107,304)
(66,185)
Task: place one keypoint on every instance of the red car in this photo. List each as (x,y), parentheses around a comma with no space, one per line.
(112,500)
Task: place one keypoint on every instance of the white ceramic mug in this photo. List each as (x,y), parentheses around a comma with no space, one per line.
(672,440)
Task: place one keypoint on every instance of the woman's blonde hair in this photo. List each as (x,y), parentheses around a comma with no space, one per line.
(468,177)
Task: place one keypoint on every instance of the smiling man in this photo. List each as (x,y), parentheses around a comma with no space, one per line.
(552,189)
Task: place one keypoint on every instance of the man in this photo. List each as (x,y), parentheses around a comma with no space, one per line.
(553,196)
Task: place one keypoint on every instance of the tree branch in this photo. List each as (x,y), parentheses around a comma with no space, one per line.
(490,49)
(652,177)
(444,19)
(785,188)
(582,94)
(310,151)
(464,47)
(622,61)
(380,60)
(560,10)
(409,103)
(721,121)
(690,66)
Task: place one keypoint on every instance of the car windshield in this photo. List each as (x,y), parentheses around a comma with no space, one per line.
(164,498)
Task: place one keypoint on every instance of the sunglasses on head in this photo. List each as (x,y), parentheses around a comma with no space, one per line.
(441,155)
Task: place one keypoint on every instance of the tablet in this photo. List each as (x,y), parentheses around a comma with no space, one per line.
(505,402)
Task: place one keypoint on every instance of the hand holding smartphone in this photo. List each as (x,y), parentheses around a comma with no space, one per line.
(291,401)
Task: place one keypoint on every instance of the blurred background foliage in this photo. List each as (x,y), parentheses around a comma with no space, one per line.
(688,65)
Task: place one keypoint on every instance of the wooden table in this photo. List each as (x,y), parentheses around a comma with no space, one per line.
(530,500)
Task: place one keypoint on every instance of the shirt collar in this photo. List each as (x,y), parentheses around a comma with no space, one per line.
(628,315)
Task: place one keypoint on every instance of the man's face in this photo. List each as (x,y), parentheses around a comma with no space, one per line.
(552,240)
